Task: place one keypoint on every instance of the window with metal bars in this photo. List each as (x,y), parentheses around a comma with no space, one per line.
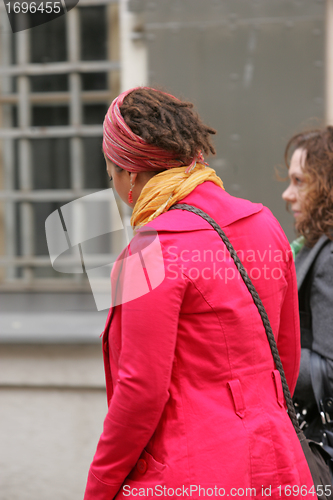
(57,81)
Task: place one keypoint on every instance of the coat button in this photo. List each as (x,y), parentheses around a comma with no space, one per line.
(141,466)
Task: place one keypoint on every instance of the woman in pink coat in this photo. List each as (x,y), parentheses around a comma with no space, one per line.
(195,404)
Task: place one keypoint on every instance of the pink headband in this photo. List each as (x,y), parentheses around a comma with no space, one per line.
(131,152)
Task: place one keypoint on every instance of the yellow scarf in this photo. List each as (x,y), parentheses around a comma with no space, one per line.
(167,188)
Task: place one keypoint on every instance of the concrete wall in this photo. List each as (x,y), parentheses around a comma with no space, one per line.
(52,407)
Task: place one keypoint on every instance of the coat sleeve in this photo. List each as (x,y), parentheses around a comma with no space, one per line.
(148,337)
(321,306)
(289,332)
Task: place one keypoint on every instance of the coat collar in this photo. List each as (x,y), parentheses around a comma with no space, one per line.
(220,205)
(306,257)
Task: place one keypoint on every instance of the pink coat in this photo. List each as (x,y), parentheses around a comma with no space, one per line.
(195,403)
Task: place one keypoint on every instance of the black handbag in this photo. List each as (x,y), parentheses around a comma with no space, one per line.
(315,454)
(324,398)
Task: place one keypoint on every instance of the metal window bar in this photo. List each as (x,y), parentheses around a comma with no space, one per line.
(87,97)
(27,229)
(25,132)
(9,219)
(76,154)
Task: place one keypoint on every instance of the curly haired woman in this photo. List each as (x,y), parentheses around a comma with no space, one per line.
(195,405)
(310,197)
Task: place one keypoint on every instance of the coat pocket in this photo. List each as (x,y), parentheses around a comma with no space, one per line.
(145,466)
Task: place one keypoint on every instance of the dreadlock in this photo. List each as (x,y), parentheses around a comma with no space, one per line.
(166,122)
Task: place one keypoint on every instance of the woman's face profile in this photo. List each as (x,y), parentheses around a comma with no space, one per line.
(294,193)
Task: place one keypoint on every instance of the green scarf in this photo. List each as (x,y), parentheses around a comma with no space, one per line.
(297,245)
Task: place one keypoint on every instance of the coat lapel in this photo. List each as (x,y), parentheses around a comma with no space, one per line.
(306,257)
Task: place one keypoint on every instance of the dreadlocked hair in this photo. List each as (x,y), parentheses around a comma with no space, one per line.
(166,122)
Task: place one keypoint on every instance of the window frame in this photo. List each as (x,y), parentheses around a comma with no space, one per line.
(76,131)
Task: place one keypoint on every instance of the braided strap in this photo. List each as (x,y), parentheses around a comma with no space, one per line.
(258,303)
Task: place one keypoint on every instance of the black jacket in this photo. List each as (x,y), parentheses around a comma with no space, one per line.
(314,268)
